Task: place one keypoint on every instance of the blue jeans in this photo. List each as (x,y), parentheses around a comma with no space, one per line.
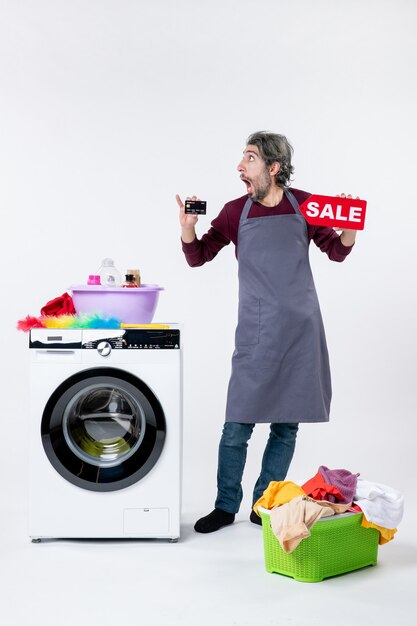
(233,446)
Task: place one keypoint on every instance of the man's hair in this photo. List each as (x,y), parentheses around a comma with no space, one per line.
(273,148)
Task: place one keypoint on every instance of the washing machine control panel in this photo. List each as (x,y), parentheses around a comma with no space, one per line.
(105,340)
(131,339)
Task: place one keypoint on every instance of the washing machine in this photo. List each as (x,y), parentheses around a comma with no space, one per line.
(105,433)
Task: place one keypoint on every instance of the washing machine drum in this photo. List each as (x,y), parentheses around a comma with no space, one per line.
(103,429)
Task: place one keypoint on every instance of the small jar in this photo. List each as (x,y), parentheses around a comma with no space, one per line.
(130,281)
(136,274)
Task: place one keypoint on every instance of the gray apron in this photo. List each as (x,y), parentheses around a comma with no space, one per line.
(280,366)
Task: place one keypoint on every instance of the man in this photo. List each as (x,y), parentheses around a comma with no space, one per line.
(280,366)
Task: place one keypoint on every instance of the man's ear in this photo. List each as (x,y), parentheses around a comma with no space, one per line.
(274,169)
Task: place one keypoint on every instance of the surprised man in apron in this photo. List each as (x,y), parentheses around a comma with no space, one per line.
(280,366)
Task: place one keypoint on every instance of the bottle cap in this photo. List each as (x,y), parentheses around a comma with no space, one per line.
(107,262)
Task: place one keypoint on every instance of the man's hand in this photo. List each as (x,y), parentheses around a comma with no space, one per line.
(187,220)
(347,235)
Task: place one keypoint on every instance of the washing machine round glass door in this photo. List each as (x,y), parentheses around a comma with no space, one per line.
(103,429)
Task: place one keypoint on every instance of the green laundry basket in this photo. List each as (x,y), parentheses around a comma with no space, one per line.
(337,545)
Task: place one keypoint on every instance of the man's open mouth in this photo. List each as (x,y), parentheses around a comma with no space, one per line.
(248,184)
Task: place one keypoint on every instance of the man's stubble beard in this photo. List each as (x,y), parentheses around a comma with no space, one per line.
(264,187)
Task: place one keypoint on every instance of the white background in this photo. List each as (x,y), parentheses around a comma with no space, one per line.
(109,108)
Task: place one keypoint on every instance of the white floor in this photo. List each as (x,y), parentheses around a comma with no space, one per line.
(203,579)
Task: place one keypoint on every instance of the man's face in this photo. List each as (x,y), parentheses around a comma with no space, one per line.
(254,173)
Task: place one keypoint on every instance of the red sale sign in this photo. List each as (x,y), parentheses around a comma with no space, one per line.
(335,212)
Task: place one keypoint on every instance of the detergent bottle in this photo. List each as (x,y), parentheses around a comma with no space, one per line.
(109,274)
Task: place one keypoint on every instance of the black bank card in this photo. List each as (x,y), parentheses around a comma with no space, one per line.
(195,206)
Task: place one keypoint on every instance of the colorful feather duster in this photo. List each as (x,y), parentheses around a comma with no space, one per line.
(84,320)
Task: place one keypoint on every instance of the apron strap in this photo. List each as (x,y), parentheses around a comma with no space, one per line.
(246,209)
(295,206)
(292,200)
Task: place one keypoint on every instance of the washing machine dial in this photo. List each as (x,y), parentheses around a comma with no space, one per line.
(104,348)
